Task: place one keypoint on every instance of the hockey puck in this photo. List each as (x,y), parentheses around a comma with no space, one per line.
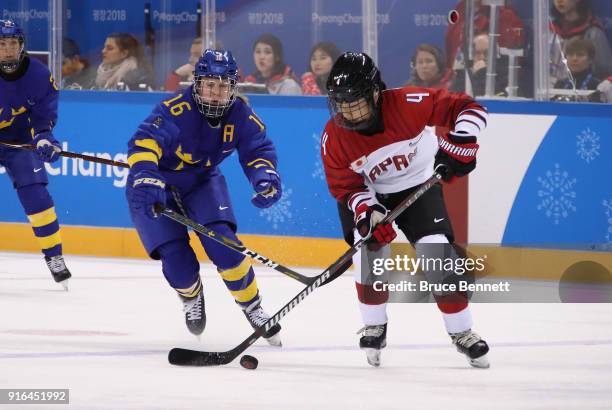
(249,362)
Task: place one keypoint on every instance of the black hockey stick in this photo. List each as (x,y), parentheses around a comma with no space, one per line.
(69,154)
(188,357)
(225,241)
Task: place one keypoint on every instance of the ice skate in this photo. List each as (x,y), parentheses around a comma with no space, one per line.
(195,313)
(257,317)
(473,347)
(374,339)
(58,269)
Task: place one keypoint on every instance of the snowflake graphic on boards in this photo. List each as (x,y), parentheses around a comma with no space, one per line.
(557,194)
(587,145)
(319,171)
(608,211)
(281,211)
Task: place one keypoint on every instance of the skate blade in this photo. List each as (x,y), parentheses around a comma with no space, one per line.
(64,284)
(275,340)
(481,363)
(373,356)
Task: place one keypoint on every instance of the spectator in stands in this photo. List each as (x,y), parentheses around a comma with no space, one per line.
(123,65)
(478,71)
(184,73)
(580,53)
(429,68)
(510,29)
(76,71)
(322,58)
(271,69)
(573,18)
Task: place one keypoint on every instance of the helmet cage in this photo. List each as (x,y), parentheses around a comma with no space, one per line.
(9,30)
(357,103)
(214,82)
(212,107)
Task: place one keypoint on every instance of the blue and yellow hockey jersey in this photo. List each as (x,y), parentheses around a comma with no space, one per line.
(177,138)
(28,102)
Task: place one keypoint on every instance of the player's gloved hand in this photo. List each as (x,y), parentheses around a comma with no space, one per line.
(458,153)
(367,220)
(47,147)
(268,189)
(146,189)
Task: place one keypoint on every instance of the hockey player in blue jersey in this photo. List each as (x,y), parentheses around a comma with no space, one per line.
(28,112)
(174,158)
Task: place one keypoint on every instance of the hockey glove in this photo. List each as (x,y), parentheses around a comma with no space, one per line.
(47,147)
(458,153)
(268,189)
(146,189)
(367,221)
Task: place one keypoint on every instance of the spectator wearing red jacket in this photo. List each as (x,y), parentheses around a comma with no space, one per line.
(271,69)
(322,58)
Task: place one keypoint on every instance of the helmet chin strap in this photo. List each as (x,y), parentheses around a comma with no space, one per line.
(370,125)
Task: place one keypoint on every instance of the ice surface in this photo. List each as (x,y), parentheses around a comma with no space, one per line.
(107,341)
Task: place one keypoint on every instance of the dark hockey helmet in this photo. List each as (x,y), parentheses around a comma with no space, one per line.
(8,30)
(214,82)
(351,85)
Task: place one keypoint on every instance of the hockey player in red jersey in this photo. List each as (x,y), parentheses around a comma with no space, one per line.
(377,149)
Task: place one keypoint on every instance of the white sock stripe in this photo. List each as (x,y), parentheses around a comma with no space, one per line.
(458,322)
(373,315)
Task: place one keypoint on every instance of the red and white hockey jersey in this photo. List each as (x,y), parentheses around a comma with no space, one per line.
(402,156)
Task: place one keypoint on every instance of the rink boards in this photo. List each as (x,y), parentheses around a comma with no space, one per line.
(537,183)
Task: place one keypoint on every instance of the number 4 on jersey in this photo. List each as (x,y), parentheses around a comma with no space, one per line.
(416,97)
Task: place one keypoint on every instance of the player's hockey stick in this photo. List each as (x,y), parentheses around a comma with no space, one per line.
(225,241)
(187,357)
(69,154)
(186,221)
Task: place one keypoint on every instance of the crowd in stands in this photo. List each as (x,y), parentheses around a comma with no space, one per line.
(580,53)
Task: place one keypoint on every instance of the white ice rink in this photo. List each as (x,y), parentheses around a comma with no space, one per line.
(107,341)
